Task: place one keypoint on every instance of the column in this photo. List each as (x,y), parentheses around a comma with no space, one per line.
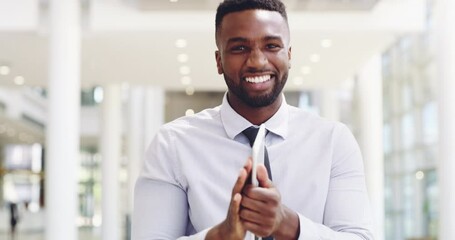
(330,104)
(136,146)
(111,133)
(371,125)
(146,114)
(154,112)
(446,83)
(135,138)
(62,136)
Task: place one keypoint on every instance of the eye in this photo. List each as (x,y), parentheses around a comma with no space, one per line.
(273,46)
(238,49)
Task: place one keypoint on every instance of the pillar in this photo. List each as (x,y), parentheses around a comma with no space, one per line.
(111,146)
(330,104)
(136,147)
(154,112)
(446,100)
(62,134)
(371,136)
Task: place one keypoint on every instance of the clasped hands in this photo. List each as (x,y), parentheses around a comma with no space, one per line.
(256,209)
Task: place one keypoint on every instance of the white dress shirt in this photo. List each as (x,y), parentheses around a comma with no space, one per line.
(193,162)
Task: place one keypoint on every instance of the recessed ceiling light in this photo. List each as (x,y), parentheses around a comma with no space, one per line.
(189,112)
(19,80)
(183,58)
(173,1)
(181,43)
(186,80)
(420,175)
(326,43)
(189,90)
(306,70)
(185,70)
(315,58)
(4,70)
(298,81)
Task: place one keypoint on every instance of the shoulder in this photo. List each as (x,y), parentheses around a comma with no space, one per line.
(310,120)
(197,122)
(313,125)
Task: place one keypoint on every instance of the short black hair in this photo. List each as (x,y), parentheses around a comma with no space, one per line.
(230,6)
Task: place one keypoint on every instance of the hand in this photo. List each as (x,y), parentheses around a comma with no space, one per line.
(262,212)
(232,228)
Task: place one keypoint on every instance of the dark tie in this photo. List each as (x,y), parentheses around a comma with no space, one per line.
(251,134)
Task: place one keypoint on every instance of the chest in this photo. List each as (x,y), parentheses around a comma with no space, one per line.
(300,172)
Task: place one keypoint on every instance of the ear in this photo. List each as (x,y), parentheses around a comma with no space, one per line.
(289,56)
(219,65)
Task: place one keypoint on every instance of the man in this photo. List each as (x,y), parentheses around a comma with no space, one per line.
(190,186)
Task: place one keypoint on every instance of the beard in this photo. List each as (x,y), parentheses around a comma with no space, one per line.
(256,101)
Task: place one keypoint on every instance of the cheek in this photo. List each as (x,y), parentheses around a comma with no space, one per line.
(282,64)
(232,66)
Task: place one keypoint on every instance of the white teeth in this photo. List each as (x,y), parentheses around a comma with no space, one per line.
(258,79)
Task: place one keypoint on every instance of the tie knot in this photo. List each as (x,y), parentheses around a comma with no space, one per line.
(251,134)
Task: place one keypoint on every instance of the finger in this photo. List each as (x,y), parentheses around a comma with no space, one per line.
(263,177)
(235,206)
(241,179)
(259,218)
(257,205)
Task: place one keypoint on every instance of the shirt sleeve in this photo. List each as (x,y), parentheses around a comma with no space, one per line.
(347,214)
(160,200)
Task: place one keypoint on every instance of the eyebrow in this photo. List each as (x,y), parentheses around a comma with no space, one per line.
(242,39)
(237,39)
(267,38)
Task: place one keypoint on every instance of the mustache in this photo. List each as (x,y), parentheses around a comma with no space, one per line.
(259,71)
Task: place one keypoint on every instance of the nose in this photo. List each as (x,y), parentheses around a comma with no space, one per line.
(257,59)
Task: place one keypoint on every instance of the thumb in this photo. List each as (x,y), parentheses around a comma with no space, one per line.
(235,206)
(263,177)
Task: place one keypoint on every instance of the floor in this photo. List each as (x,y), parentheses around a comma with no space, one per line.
(84,234)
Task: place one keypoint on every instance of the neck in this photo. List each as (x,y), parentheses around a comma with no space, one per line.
(255,115)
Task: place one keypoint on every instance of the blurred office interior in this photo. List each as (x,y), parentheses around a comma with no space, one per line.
(85,84)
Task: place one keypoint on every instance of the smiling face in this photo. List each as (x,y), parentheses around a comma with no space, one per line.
(254,56)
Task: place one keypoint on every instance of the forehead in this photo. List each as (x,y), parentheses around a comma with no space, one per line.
(252,24)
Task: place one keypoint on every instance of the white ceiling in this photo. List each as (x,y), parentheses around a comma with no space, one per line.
(130,41)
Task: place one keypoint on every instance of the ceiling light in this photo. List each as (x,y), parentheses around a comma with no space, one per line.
(185,80)
(185,70)
(173,1)
(180,43)
(298,81)
(189,91)
(189,112)
(315,58)
(19,80)
(306,70)
(420,175)
(183,58)
(326,43)
(4,70)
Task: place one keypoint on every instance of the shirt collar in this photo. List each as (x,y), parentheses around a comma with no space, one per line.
(234,123)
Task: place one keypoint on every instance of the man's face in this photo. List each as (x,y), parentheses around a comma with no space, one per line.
(254,55)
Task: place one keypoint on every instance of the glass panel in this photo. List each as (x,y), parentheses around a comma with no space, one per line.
(408,130)
(430,123)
